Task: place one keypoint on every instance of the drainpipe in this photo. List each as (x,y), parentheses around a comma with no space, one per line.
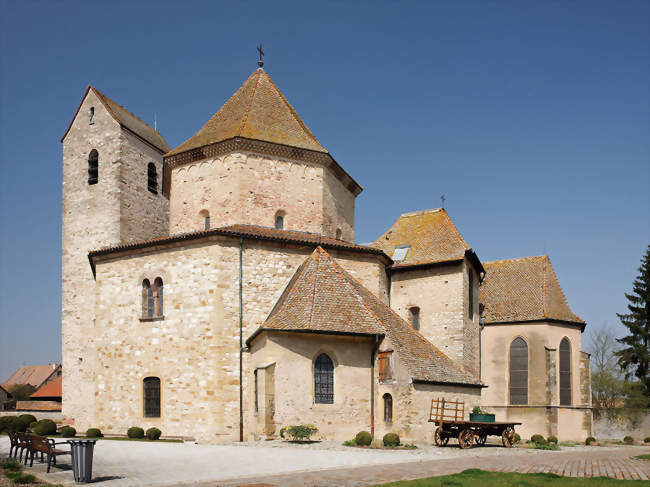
(372,386)
(241,344)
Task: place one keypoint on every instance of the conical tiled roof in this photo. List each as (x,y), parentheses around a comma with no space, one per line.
(259,111)
(430,235)
(323,298)
(523,290)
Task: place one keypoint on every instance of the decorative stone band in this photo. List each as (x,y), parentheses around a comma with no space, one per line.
(261,147)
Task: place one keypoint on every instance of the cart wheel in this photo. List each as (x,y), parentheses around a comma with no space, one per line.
(440,438)
(466,438)
(508,437)
(480,439)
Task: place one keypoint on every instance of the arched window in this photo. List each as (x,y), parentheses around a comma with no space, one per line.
(324,380)
(279,220)
(338,234)
(205,215)
(93,167)
(518,371)
(565,372)
(388,408)
(147,299)
(158,297)
(414,315)
(152,178)
(151,397)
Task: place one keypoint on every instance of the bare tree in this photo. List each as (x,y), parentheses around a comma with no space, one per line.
(607,384)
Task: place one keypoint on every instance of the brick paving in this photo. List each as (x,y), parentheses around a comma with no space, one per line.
(617,463)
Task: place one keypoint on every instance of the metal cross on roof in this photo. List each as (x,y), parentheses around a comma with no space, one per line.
(443,199)
(260,63)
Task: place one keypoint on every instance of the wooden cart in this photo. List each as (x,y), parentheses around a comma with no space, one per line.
(448,417)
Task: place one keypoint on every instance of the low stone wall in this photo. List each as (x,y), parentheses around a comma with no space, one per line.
(53,415)
(31,406)
(617,425)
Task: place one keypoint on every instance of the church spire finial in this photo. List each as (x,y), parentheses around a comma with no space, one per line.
(260,63)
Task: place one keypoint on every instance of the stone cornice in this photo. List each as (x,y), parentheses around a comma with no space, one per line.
(257,146)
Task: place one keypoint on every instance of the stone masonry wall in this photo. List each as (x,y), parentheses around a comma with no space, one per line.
(143,214)
(438,292)
(116,209)
(91,219)
(195,349)
(471,339)
(251,189)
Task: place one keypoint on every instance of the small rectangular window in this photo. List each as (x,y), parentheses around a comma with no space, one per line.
(385,365)
(257,405)
(400,253)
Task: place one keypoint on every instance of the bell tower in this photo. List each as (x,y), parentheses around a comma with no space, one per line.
(112,194)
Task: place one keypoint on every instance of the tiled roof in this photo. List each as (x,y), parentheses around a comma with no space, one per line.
(322,297)
(522,290)
(34,375)
(246,231)
(126,119)
(430,234)
(259,111)
(51,389)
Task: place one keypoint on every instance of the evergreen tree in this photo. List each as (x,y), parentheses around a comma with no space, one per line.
(634,356)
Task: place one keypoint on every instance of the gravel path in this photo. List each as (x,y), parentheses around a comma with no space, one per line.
(124,463)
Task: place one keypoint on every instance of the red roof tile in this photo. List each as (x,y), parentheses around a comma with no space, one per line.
(322,297)
(523,290)
(51,389)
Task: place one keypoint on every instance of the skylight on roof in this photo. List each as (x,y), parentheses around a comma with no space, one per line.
(400,253)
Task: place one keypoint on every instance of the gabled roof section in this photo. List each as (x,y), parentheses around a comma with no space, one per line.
(430,235)
(258,111)
(321,297)
(35,375)
(525,289)
(51,389)
(126,120)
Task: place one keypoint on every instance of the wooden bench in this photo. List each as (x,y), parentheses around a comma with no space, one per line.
(43,445)
(18,441)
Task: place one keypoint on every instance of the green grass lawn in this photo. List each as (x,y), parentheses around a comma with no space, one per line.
(643,457)
(476,477)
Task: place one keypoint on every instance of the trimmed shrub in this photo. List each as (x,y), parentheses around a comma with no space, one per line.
(135,432)
(647,440)
(628,440)
(68,432)
(153,433)
(590,440)
(552,439)
(363,438)
(33,423)
(28,418)
(45,427)
(301,432)
(93,433)
(391,439)
(8,424)
(517,438)
(538,439)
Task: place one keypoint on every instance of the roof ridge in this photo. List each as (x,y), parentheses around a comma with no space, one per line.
(250,102)
(515,258)
(316,257)
(544,295)
(421,212)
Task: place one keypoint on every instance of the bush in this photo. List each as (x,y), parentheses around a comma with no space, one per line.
(94,433)
(68,432)
(590,440)
(477,410)
(33,423)
(391,439)
(27,418)
(538,439)
(153,433)
(552,439)
(517,438)
(628,440)
(300,432)
(647,440)
(45,427)
(135,432)
(363,438)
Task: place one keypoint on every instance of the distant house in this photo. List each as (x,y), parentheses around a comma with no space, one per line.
(47,398)
(4,397)
(35,375)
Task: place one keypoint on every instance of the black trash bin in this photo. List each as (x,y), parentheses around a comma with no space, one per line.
(82,459)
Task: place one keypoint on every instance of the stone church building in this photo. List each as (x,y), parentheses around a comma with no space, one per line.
(216,291)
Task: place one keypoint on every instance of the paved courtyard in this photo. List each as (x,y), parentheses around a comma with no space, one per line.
(123,463)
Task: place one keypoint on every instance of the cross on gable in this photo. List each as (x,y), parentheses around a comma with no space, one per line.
(260,63)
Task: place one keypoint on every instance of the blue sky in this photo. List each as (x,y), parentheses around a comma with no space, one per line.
(531,117)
